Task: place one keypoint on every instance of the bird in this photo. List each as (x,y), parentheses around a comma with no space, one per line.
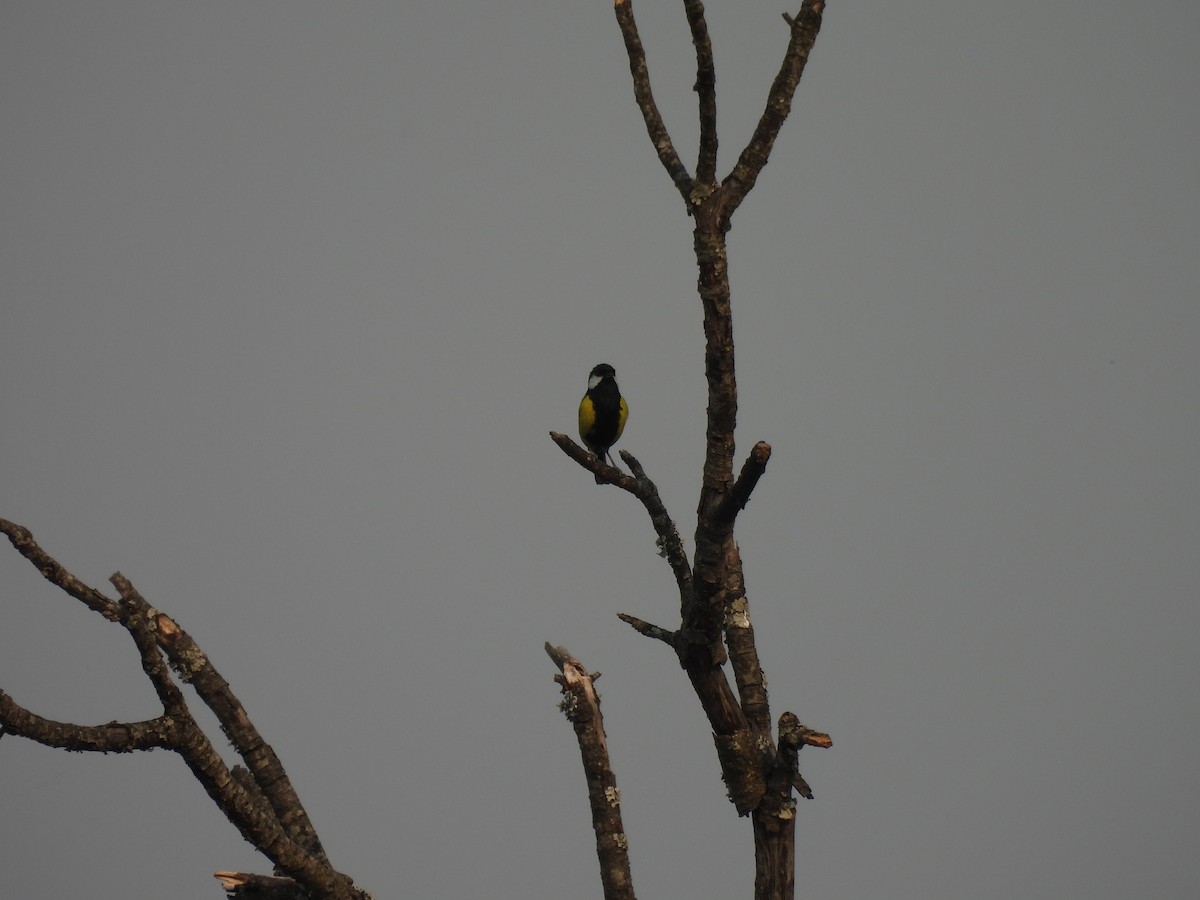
(602,413)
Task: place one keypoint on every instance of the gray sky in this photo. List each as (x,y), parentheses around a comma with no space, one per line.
(292,293)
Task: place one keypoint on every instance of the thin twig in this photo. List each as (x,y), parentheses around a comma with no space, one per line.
(641,626)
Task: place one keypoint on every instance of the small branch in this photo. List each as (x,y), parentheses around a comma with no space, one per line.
(802,787)
(804,28)
(260,887)
(655,127)
(794,735)
(670,638)
(670,544)
(739,495)
(818,739)
(605,474)
(706,89)
(115,737)
(56,574)
(582,706)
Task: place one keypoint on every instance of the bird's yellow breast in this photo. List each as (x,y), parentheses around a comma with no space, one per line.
(587,416)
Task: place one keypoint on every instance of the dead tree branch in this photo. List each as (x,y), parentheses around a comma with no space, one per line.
(759,769)
(670,545)
(259,800)
(655,126)
(804,29)
(581,705)
(706,91)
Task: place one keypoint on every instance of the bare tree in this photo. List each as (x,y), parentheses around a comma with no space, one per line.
(760,769)
(258,798)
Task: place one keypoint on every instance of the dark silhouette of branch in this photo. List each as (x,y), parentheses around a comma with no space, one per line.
(706,90)
(258,800)
(115,737)
(670,545)
(804,28)
(645,100)
(739,495)
(257,887)
(49,568)
(670,638)
(581,705)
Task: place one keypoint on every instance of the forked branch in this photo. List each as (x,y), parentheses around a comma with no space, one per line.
(259,800)
(804,29)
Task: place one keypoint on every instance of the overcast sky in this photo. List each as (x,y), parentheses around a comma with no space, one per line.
(292,293)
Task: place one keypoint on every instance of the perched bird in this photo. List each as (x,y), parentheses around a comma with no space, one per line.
(602,412)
